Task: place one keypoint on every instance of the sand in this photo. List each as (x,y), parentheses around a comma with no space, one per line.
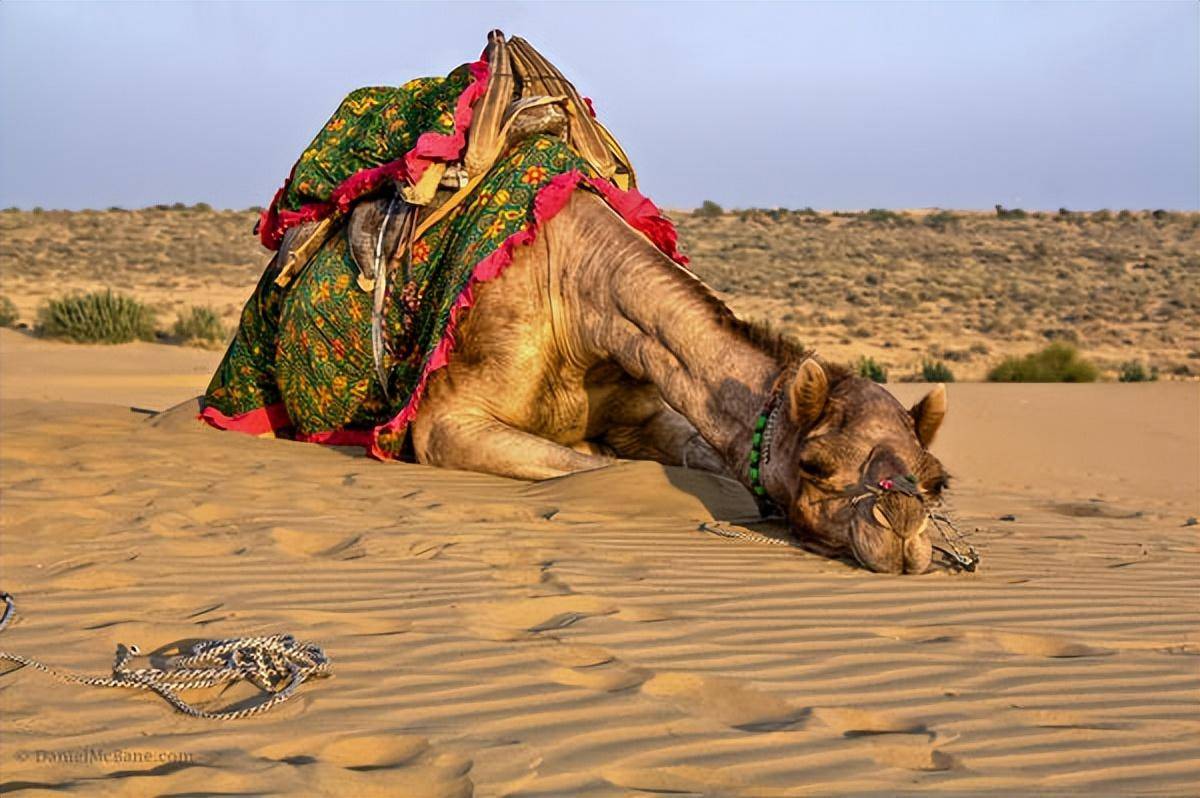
(582,636)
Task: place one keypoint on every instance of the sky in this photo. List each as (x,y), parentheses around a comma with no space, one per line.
(845,105)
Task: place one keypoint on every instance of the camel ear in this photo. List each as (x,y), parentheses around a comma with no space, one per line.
(928,414)
(806,397)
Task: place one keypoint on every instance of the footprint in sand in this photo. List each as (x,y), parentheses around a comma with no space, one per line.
(1095,509)
(524,566)
(854,722)
(317,543)
(685,779)
(524,618)
(609,678)
(590,667)
(1027,643)
(724,700)
(889,740)
(1060,719)
(375,765)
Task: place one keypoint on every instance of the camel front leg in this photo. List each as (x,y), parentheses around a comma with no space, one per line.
(668,438)
(481,443)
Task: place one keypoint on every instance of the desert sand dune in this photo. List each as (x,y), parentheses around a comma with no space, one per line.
(583,636)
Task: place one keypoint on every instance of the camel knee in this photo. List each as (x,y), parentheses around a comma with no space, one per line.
(442,440)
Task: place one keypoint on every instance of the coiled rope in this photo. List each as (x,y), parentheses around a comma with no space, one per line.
(276,664)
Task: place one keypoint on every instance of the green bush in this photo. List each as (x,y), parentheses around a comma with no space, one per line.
(1059,362)
(936,371)
(199,326)
(1134,371)
(8,312)
(867,367)
(100,317)
(709,209)
(941,220)
(1010,213)
(884,216)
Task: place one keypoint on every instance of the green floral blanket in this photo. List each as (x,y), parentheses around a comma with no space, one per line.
(301,363)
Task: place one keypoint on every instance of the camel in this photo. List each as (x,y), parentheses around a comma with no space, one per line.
(593,345)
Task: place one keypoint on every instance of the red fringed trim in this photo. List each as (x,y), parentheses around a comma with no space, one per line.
(643,215)
(430,147)
(342,437)
(270,418)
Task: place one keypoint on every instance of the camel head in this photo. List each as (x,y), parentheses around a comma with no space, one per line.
(855,467)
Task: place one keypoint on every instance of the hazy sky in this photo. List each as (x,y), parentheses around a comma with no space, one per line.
(833,105)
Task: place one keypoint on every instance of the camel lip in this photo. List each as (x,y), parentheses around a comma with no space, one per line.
(858,526)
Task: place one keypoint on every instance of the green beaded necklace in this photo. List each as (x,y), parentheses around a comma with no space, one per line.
(766,505)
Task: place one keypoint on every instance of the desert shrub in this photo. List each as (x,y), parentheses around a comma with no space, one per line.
(8,312)
(1058,362)
(100,317)
(1135,371)
(941,220)
(202,206)
(709,209)
(199,326)
(807,210)
(884,216)
(869,368)
(1009,213)
(936,371)
(1102,215)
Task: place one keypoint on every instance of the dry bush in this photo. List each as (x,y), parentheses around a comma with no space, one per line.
(8,312)
(200,326)
(1058,362)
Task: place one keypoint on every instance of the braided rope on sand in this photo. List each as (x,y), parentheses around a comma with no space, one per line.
(276,664)
(745,534)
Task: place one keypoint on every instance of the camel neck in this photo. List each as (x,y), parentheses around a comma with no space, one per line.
(662,325)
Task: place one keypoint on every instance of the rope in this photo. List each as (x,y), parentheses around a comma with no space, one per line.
(745,534)
(276,664)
